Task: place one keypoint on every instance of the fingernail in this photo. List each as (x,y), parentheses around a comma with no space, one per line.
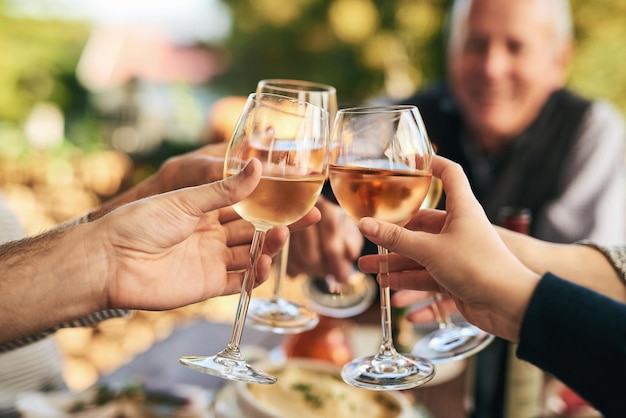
(368,226)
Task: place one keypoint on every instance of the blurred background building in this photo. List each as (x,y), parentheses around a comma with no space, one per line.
(96,94)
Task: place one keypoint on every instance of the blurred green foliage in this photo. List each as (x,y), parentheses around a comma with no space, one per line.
(404,51)
(366,48)
(37,64)
(359,46)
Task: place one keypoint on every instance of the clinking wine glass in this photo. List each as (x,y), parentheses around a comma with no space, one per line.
(451,341)
(276,313)
(290,138)
(326,296)
(380,166)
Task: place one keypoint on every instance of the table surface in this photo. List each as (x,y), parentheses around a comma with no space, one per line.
(159,363)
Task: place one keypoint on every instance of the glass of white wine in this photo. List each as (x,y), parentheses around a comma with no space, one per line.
(290,138)
(380,166)
(324,295)
(452,340)
(277,313)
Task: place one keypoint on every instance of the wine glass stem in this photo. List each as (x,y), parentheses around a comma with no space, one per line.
(386,347)
(249,278)
(441,314)
(280,272)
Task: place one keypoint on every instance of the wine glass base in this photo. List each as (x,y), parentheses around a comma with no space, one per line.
(280,316)
(452,342)
(353,299)
(393,373)
(227,368)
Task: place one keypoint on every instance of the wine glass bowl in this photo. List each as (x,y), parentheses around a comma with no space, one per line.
(276,313)
(289,137)
(379,166)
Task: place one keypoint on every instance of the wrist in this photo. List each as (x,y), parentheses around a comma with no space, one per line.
(510,302)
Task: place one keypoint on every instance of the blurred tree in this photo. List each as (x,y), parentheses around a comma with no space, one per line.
(600,55)
(362,47)
(368,48)
(365,48)
(38,62)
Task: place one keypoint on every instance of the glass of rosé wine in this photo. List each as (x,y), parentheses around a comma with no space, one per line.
(277,313)
(380,166)
(290,138)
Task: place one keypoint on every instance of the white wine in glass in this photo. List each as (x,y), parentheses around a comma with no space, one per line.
(276,313)
(290,138)
(379,167)
(451,341)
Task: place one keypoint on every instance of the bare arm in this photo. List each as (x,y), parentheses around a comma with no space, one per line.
(580,264)
(159,253)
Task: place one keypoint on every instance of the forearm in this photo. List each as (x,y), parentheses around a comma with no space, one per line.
(580,264)
(567,327)
(45,280)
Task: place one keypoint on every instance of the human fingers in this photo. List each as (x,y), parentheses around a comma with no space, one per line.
(404,298)
(396,262)
(311,218)
(217,195)
(304,254)
(339,241)
(238,232)
(192,169)
(427,220)
(417,279)
(275,239)
(425,312)
(261,274)
(217,149)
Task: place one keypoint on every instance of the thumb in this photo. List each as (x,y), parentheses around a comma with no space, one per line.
(393,237)
(219,194)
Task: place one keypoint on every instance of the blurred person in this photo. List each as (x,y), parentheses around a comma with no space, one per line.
(522,138)
(571,331)
(158,253)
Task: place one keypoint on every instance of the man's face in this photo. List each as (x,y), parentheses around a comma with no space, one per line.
(503,62)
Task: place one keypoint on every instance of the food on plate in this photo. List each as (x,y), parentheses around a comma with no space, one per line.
(307,392)
(110,401)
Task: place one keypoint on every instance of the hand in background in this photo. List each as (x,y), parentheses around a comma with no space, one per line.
(457,252)
(202,166)
(329,247)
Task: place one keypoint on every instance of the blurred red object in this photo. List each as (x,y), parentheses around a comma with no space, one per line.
(329,341)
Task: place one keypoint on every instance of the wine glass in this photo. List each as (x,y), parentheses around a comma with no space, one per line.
(290,138)
(380,166)
(326,295)
(451,340)
(276,313)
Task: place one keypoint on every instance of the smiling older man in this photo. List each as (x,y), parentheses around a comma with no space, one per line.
(523,139)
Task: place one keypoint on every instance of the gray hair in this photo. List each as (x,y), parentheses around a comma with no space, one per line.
(561,14)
